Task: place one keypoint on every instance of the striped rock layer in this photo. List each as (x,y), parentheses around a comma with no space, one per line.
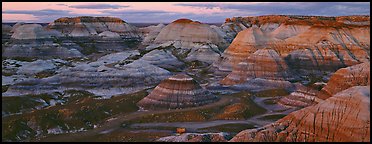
(179,91)
(344,117)
(191,40)
(301,97)
(97,78)
(264,63)
(308,44)
(186,30)
(150,33)
(88,26)
(357,75)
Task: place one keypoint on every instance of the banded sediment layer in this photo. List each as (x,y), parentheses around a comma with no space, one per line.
(179,91)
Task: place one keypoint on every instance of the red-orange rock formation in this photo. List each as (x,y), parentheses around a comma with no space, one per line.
(344,117)
(179,91)
(357,75)
(308,43)
(264,63)
(301,97)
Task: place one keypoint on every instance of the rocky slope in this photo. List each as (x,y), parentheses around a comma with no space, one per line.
(103,77)
(177,92)
(41,48)
(309,44)
(18,24)
(108,34)
(344,117)
(344,78)
(88,26)
(162,58)
(264,63)
(357,75)
(194,40)
(301,97)
(150,33)
(5,29)
(33,31)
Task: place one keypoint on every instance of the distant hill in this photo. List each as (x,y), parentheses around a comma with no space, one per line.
(135,24)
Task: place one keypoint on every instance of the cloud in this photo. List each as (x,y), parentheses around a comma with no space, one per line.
(44,12)
(158,16)
(99,6)
(62,4)
(135,12)
(220,11)
(295,8)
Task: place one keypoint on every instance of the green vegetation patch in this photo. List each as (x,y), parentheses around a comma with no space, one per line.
(244,108)
(27,59)
(230,128)
(273,117)
(45,74)
(80,110)
(272,93)
(4,88)
(205,114)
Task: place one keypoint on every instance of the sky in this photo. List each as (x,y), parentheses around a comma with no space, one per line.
(165,12)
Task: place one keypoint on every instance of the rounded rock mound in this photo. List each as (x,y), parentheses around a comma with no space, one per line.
(33,31)
(186,30)
(176,92)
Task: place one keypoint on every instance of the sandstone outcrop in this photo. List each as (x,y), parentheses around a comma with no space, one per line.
(357,75)
(88,26)
(308,44)
(33,31)
(344,117)
(194,40)
(179,91)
